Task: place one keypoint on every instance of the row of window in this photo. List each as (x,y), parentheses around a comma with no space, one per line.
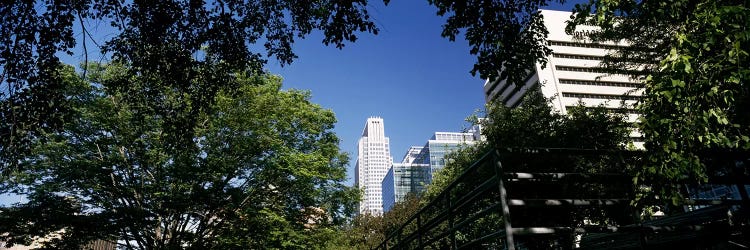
(601,83)
(585,45)
(582,69)
(582,57)
(600,58)
(520,100)
(453,137)
(614,110)
(598,70)
(508,84)
(516,88)
(602,96)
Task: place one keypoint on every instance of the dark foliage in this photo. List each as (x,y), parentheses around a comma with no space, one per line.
(187,46)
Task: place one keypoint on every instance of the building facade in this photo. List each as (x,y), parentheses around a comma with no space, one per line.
(402,179)
(573,74)
(434,151)
(412,154)
(419,164)
(373,161)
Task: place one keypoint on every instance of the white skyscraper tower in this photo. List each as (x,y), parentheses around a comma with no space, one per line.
(373,161)
(573,74)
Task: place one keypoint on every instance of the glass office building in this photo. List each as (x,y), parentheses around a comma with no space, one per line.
(419,164)
(402,179)
(412,154)
(441,143)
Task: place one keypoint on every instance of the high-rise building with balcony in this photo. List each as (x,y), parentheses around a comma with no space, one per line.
(373,161)
(573,73)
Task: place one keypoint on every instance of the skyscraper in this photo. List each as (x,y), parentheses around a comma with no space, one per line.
(572,74)
(373,160)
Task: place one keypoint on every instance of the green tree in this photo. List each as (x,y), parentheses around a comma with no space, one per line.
(691,54)
(401,212)
(696,97)
(534,124)
(185,45)
(367,231)
(263,170)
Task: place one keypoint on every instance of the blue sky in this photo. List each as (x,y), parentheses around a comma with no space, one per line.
(417,81)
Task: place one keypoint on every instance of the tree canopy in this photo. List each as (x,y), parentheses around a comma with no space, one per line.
(514,133)
(534,124)
(262,169)
(186,45)
(696,97)
(367,231)
(179,139)
(691,55)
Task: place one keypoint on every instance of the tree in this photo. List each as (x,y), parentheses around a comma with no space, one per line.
(367,231)
(400,212)
(696,97)
(532,125)
(263,170)
(185,45)
(691,54)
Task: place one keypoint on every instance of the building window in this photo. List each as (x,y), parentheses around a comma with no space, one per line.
(602,96)
(598,70)
(601,83)
(518,87)
(586,45)
(507,84)
(581,57)
(613,110)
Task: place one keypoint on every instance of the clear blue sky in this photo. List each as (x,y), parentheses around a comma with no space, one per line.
(417,81)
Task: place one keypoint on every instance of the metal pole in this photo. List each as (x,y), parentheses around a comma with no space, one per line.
(451,230)
(398,239)
(745,207)
(504,204)
(419,229)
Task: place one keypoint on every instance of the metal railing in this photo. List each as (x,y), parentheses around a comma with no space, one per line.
(551,197)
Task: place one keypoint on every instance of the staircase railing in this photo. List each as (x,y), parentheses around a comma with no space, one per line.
(553,196)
